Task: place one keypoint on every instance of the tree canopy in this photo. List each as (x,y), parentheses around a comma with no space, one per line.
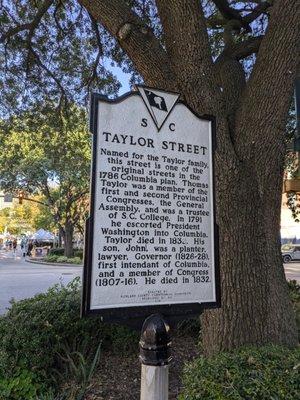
(49,154)
(49,49)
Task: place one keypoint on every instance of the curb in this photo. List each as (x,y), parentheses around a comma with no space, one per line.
(53,264)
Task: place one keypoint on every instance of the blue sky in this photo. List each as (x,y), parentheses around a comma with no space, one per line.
(122,77)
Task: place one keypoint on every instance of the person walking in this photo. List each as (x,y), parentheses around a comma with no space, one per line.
(24,248)
(30,248)
(15,245)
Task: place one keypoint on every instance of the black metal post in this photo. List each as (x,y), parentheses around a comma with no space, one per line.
(155,349)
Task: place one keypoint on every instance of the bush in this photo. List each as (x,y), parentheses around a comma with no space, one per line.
(265,373)
(74,260)
(56,252)
(23,385)
(78,253)
(61,252)
(35,333)
(62,259)
(51,258)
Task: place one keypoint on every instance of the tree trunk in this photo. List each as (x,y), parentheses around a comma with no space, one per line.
(68,239)
(249,160)
(255,304)
(60,236)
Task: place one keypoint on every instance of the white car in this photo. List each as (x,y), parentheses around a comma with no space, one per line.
(293,253)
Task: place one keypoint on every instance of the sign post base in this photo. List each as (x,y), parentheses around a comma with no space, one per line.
(155,346)
(155,382)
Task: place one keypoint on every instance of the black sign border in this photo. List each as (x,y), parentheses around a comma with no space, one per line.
(133,316)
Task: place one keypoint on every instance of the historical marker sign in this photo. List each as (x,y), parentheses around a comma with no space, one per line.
(152,242)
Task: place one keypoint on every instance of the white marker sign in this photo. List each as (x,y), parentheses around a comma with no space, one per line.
(152,232)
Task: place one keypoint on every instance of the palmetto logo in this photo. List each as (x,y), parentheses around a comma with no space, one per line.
(156,101)
(159,103)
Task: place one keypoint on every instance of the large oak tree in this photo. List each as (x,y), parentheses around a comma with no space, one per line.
(234,59)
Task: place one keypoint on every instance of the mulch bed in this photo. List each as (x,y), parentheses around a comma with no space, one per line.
(118,377)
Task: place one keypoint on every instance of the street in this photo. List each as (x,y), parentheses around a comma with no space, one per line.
(20,279)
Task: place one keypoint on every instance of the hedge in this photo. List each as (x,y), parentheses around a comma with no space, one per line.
(61,251)
(251,373)
(35,332)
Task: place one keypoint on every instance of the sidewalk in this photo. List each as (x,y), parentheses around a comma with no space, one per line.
(18,256)
(11,254)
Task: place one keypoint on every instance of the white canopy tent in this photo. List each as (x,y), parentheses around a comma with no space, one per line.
(42,235)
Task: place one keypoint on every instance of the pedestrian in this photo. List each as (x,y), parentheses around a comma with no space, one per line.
(15,245)
(25,248)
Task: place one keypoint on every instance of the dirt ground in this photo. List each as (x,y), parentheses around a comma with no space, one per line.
(118,378)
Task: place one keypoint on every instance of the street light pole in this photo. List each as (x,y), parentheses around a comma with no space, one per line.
(21,198)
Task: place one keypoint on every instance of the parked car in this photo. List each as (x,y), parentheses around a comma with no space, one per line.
(291,254)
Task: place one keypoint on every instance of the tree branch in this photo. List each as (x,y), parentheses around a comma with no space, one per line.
(75,198)
(230,13)
(135,38)
(247,47)
(45,68)
(186,39)
(99,53)
(226,11)
(188,47)
(58,5)
(258,10)
(15,30)
(241,50)
(31,26)
(272,78)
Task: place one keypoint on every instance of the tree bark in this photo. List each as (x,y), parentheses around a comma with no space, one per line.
(255,303)
(68,239)
(256,307)
(135,38)
(249,160)
(60,236)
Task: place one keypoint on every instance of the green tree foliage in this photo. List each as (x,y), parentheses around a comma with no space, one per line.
(59,55)
(16,219)
(49,154)
(28,216)
(43,219)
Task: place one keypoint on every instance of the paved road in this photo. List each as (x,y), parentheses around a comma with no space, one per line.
(20,279)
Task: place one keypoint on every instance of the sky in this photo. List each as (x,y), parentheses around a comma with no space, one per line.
(122,77)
